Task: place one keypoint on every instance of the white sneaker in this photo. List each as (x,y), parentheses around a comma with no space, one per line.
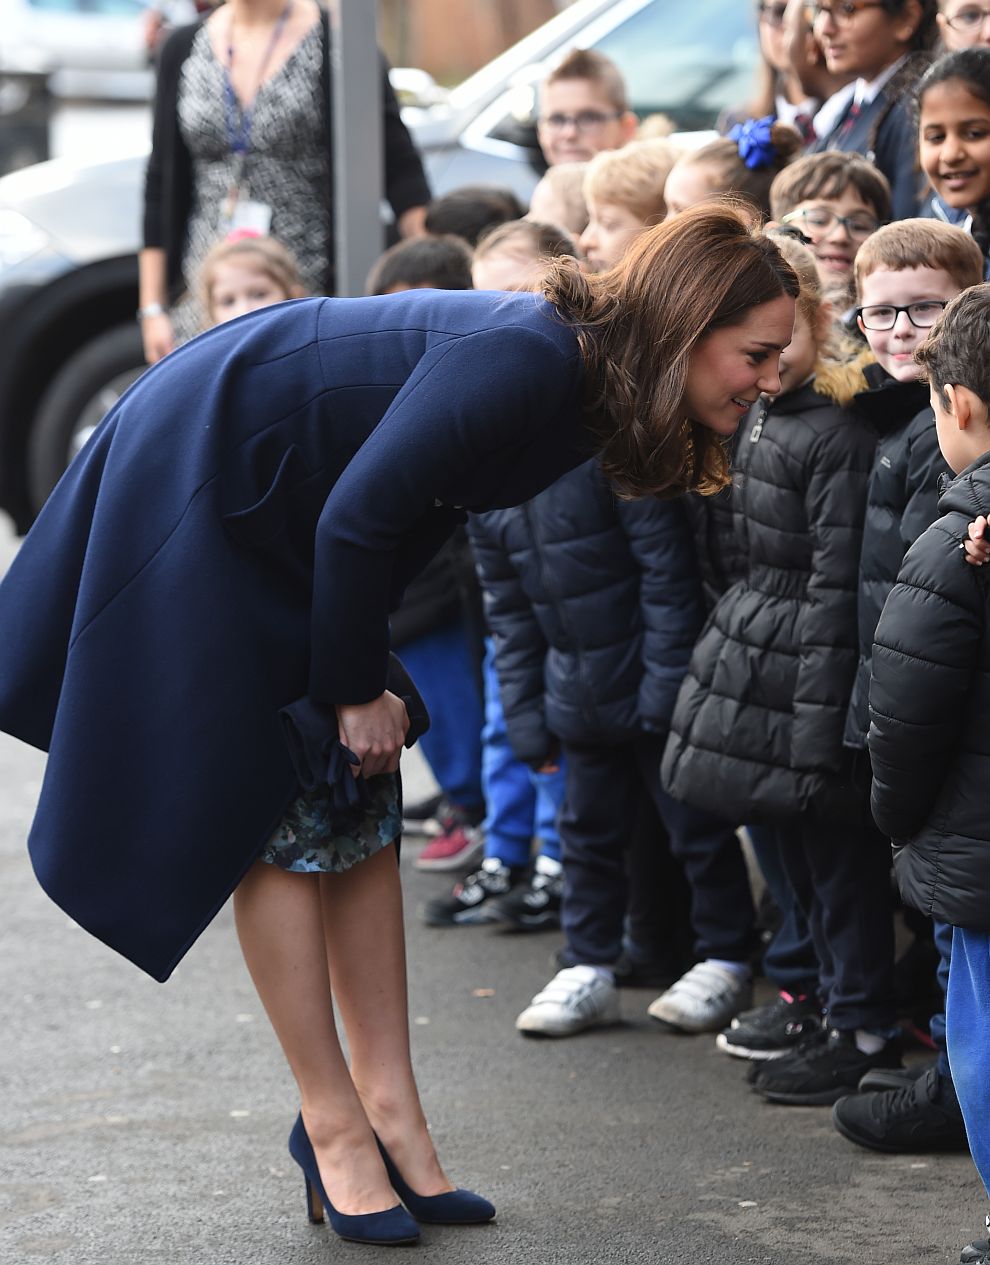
(703,1000)
(577,997)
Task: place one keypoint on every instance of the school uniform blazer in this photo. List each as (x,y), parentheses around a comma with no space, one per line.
(227,547)
(886,133)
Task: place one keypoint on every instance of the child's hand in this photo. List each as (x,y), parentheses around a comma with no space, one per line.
(976,548)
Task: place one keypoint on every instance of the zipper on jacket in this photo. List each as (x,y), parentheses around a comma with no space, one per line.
(757,431)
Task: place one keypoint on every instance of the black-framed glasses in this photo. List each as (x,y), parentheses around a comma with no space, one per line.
(842,12)
(772,14)
(584,121)
(859,225)
(881,316)
(969,19)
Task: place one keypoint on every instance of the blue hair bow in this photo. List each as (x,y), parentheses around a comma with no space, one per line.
(754,140)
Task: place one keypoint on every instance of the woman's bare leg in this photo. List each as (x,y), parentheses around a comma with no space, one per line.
(365,945)
(280,924)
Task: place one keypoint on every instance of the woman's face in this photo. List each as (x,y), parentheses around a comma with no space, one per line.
(732,366)
(773,38)
(859,37)
(964,24)
(954,143)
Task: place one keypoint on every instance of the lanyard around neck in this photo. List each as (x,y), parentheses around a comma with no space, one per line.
(239,118)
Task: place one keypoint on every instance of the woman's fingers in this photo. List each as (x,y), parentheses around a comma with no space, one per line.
(375,732)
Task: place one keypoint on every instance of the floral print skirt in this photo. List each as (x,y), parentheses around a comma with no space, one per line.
(312,838)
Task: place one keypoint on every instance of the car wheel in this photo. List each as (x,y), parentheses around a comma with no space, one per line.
(79,397)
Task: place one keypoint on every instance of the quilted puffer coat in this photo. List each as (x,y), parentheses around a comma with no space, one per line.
(758,724)
(929,704)
(594,604)
(901,503)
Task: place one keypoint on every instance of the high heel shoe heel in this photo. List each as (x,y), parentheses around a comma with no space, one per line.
(392,1226)
(453,1207)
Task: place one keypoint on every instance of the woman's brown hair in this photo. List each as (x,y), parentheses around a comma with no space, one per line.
(637,325)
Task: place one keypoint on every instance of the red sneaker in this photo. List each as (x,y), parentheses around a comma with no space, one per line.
(457,848)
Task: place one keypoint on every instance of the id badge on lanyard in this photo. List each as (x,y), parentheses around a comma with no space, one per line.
(240,213)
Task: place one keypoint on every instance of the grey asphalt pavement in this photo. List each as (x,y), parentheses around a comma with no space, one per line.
(142,1123)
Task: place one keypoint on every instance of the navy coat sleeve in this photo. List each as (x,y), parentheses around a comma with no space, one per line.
(925,658)
(670,601)
(470,401)
(520,646)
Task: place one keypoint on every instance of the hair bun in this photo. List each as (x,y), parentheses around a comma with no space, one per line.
(765,142)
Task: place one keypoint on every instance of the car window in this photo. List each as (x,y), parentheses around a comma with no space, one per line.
(687,60)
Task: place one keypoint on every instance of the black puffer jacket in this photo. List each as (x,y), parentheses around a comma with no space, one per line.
(758,725)
(718,546)
(929,710)
(901,503)
(594,604)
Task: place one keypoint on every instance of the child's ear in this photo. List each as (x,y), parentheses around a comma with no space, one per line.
(964,405)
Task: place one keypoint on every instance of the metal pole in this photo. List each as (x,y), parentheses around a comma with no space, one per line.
(356,109)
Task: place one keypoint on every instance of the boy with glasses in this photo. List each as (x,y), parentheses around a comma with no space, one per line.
(836,200)
(906,273)
(583,109)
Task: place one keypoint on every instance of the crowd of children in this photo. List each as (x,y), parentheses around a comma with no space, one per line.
(601,671)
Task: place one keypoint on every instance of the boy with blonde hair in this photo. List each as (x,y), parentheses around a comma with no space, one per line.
(624,193)
(906,274)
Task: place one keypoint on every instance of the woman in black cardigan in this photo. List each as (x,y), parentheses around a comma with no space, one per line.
(242,138)
(197,625)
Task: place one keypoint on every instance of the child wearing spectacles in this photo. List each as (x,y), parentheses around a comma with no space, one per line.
(954,141)
(836,201)
(905,274)
(884,44)
(963,24)
(583,109)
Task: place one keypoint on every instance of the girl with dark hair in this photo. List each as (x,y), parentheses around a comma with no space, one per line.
(886,45)
(196,627)
(954,141)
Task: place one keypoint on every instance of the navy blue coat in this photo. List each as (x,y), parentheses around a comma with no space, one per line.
(929,701)
(229,545)
(594,604)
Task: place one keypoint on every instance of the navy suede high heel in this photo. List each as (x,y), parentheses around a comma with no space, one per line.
(393,1226)
(453,1207)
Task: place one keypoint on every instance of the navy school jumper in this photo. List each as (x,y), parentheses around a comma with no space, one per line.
(229,544)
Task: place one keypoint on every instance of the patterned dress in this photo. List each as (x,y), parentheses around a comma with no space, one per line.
(312,838)
(287,167)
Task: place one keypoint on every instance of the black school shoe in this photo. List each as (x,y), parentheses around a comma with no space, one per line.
(535,904)
(894,1077)
(819,1074)
(977,1252)
(771,1031)
(917,1119)
(468,904)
